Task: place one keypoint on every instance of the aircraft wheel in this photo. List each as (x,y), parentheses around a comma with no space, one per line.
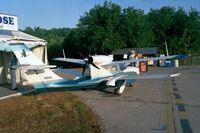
(115,92)
(131,85)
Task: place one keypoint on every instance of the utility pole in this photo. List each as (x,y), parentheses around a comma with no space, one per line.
(166,48)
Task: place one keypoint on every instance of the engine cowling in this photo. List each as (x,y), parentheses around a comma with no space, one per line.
(102,59)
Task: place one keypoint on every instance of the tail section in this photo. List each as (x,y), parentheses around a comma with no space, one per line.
(37,77)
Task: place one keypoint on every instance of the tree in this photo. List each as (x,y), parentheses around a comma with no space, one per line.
(161,23)
(54,38)
(134,28)
(193,32)
(102,26)
(108,27)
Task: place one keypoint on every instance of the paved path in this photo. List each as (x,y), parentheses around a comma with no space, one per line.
(5,90)
(152,106)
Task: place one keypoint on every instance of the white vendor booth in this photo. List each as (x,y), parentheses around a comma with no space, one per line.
(9,36)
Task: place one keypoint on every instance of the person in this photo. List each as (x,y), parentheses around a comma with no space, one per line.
(13,62)
(132,56)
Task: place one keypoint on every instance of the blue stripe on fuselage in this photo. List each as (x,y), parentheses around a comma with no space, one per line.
(83,82)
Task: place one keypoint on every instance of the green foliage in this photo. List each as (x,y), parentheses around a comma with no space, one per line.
(101,26)
(176,27)
(108,27)
(54,38)
(133,28)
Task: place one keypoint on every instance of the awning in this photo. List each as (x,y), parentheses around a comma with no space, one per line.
(16,37)
(10,36)
(6,46)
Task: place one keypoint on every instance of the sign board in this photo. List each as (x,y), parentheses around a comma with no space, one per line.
(8,22)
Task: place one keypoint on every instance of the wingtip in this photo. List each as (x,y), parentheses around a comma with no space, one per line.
(175,75)
(57,58)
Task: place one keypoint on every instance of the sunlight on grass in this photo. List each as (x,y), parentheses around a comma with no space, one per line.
(56,112)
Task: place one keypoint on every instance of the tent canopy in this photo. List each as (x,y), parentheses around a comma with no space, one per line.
(8,37)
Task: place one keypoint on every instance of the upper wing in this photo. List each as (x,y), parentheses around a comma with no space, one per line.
(148,59)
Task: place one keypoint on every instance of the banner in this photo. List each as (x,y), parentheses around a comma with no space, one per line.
(8,22)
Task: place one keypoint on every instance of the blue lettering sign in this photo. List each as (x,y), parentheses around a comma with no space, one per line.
(11,20)
(7,20)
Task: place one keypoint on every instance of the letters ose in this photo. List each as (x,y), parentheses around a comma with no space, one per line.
(6,20)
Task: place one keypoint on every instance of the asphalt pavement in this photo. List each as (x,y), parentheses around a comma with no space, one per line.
(151,106)
(6,91)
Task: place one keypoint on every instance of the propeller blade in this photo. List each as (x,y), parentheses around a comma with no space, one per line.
(84,69)
(95,65)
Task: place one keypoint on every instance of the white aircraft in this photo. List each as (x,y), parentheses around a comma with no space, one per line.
(102,71)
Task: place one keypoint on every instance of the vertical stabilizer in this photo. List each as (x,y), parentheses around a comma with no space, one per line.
(38,78)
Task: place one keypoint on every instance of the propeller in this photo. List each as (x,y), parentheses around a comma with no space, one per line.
(88,60)
(85,61)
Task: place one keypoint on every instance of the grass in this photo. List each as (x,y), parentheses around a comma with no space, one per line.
(55,112)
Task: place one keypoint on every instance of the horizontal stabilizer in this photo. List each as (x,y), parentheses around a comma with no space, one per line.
(32,67)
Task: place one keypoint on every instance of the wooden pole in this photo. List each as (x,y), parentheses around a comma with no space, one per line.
(166,48)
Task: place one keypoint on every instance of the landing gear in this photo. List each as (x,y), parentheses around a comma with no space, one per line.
(131,85)
(120,86)
(116,92)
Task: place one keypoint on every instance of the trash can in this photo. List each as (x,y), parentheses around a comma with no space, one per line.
(143,66)
(173,63)
(176,63)
(168,63)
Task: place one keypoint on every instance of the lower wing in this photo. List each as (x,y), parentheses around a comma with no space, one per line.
(111,81)
(183,56)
